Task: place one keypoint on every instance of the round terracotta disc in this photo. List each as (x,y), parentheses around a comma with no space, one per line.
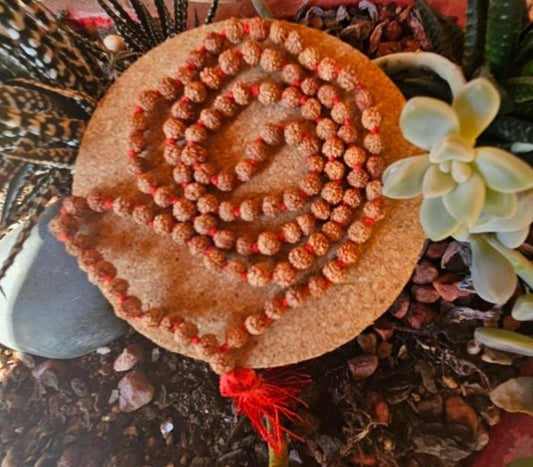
(165,275)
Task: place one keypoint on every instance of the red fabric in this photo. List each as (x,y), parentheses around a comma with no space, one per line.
(265,398)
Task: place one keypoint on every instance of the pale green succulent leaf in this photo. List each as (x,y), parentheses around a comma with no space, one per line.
(515,395)
(521,219)
(436,183)
(435,220)
(476,104)
(500,204)
(452,148)
(424,121)
(507,341)
(523,308)
(513,239)
(461,234)
(493,276)
(503,171)
(460,171)
(403,178)
(465,202)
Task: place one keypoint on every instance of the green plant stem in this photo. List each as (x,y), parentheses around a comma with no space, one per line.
(522,266)
(447,70)
(273,459)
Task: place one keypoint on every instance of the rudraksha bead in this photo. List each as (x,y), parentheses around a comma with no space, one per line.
(256,324)
(182,232)
(284,274)
(268,243)
(294,43)
(258,275)
(327,69)
(236,337)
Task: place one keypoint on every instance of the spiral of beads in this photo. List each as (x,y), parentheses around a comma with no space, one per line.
(334,205)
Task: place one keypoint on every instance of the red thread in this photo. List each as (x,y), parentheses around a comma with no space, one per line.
(284,303)
(375,130)
(303,100)
(221,74)
(239,53)
(369,221)
(359,86)
(255,248)
(199,122)
(331,159)
(230,95)
(63,238)
(283,207)
(252,162)
(281,237)
(196,166)
(246,28)
(190,143)
(302,194)
(214,180)
(138,109)
(175,325)
(152,190)
(315,67)
(212,232)
(191,66)
(185,99)
(347,122)
(244,276)
(223,33)
(184,185)
(237,212)
(305,137)
(296,83)
(122,299)
(195,340)
(309,248)
(202,48)
(170,141)
(108,203)
(338,70)
(132,154)
(341,264)
(357,166)
(222,348)
(265,399)
(63,211)
(255,90)
(336,100)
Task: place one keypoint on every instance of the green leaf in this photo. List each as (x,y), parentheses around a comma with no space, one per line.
(460,171)
(523,462)
(476,104)
(445,36)
(436,221)
(521,219)
(503,171)
(527,69)
(515,395)
(523,308)
(500,204)
(436,183)
(476,26)
(424,121)
(403,179)
(520,88)
(503,29)
(452,148)
(512,129)
(465,202)
(525,48)
(513,239)
(493,276)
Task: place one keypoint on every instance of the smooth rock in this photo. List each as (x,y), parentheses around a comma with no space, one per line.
(128,358)
(49,308)
(135,391)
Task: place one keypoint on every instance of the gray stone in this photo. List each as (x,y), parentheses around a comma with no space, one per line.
(49,308)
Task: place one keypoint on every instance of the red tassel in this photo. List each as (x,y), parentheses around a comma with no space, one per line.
(265,399)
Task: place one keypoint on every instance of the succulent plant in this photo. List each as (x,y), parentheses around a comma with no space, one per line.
(145,32)
(483,195)
(497,43)
(50,81)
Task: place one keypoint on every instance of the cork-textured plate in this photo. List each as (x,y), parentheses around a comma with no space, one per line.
(163,274)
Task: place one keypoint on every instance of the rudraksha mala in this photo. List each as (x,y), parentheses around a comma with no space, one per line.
(334,205)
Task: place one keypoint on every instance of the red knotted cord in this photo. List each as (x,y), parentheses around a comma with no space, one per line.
(265,399)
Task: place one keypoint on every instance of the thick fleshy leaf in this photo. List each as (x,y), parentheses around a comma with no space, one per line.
(513,239)
(476,104)
(435,220)
(424,121)
(493,276)
(515,395)
(461,171)
(500,204)
(403,179)
(452,148)
(465,202)
(523,308)
(436,183)
(503,171)
(520,220)
(507,341)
